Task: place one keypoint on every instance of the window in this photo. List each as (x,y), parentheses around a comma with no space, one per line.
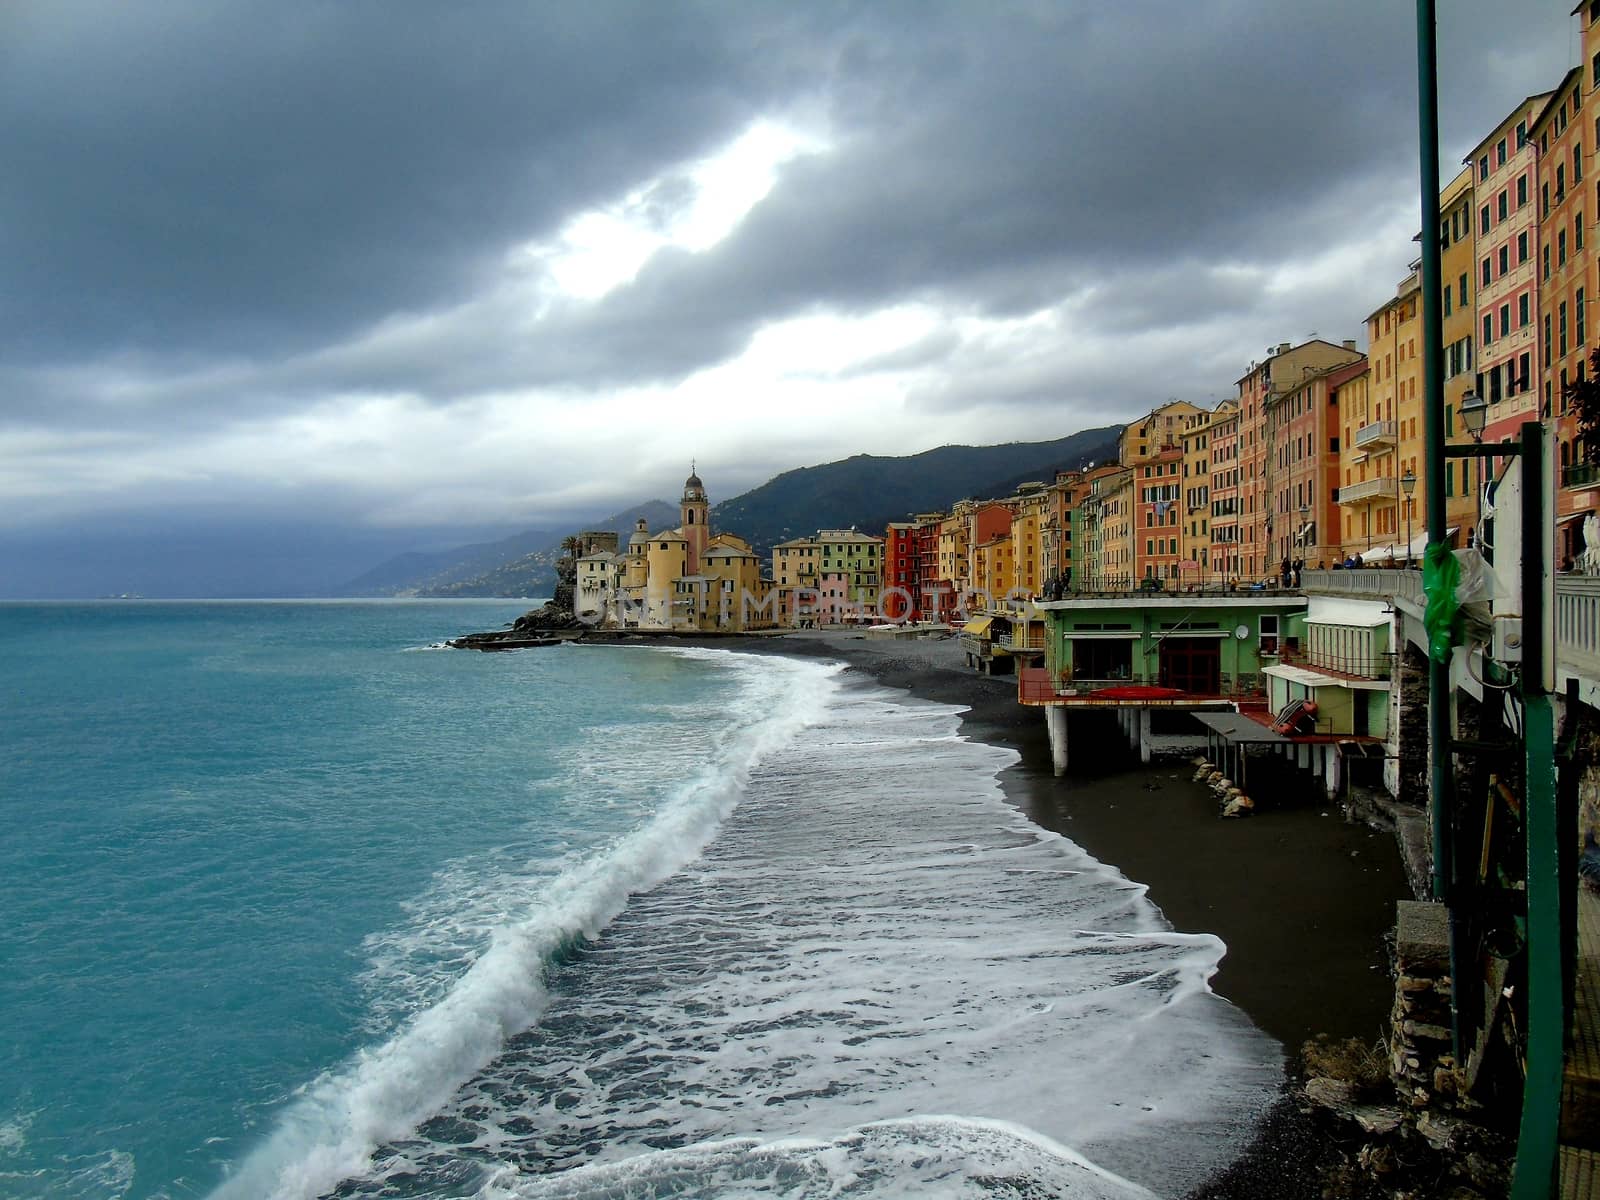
(1501,204)
(1561,248)
(1461,290)
(1522,190)
(1505,258)
(1544,202)
(1269,633)
(1524,372)
(1561,327)
(1522,247)
(1487,268)
(1500,153)
(1577,231)
(1447,302)
(1505,319)
(1522,134)
(1483,168)
(1577,163)
(1483,219)
(1522,310)
(1561,180)
(1579,329)
(1547,337)
(1544,255)
(1488,330)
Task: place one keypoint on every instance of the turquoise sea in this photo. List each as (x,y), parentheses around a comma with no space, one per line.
(294,903)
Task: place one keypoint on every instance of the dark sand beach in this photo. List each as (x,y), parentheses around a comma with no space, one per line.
(1302,899)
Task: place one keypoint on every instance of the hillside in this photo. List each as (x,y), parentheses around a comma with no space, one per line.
(405,574)
(868,491)
(534,573)
(467,570)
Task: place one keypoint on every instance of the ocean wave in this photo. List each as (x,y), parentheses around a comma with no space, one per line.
(104,1176)
(333,1124)
(932,1158)
(874,935)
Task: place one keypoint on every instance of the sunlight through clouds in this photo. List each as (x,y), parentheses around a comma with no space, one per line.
(691,209)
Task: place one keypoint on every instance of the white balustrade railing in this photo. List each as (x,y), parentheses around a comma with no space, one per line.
(1577,607)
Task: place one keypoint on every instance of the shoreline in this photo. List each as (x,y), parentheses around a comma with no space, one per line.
(1303,900)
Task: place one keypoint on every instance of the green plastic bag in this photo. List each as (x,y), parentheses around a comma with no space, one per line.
(1441,575)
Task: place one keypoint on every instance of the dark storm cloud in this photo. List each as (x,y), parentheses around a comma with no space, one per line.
(1004,163)
(218,217)
(260,176)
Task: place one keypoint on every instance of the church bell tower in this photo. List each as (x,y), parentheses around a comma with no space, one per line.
(695,511)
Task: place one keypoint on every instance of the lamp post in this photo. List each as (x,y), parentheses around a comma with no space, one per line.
(1474,413)
(1305,529)
(1408,484)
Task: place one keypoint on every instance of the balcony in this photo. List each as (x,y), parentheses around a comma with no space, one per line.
(1378,433)
(1382,488)
(1580,475)
(1036,685)
(1024,640)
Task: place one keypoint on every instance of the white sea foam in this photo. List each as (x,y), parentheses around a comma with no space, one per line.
(14,1132)
(105,1176)
(873,937)
(932,1158)
(335,1123)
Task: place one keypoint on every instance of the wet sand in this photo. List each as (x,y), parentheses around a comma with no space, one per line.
(1302,899)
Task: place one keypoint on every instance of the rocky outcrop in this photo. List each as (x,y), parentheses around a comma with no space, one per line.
(543,626)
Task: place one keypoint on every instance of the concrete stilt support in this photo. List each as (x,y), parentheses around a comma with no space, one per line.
(1332,770)
(1144,735)
(1055,718)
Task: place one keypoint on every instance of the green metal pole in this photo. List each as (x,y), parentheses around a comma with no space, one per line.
(1441,786)
(1537,1147)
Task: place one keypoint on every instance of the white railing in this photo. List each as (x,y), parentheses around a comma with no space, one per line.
(1384,487)
(1577,607)
(1375,434)
(1578,624)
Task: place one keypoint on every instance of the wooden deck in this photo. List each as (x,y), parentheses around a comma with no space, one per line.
(1580,1096)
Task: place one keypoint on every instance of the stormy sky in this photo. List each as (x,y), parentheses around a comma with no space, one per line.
(288,287)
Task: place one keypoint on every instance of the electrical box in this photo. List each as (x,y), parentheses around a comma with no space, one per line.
(1506,644)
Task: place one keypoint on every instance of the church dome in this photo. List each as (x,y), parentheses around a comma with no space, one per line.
(693,482)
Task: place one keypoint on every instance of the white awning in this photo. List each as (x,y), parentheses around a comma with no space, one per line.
(1330,610)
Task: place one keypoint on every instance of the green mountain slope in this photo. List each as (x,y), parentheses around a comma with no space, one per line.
(534,574)
(868,491)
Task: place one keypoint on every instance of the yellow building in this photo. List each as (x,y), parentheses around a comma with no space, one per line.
(1459,271)
(1382,425)
(683,578)
(1195,540)
(953,548)
(1160,428)
(992,568)
(1117,530)
(736,597)
(1027,540)
(834,576)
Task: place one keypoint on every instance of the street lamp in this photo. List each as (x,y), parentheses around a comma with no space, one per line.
(1408,483)
(1474,412)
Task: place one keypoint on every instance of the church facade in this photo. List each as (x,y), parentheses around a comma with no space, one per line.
(688,579)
